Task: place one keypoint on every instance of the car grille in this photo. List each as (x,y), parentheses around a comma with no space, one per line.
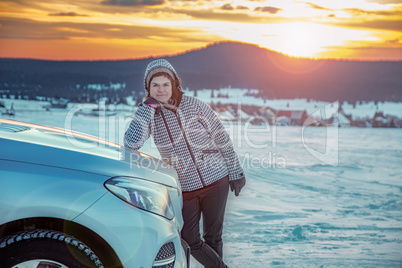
(165,257)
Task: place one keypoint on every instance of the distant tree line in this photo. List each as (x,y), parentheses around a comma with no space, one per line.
(216,66)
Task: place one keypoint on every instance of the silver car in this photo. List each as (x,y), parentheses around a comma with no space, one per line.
(71,200)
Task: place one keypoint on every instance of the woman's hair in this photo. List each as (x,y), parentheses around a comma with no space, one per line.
(176,93)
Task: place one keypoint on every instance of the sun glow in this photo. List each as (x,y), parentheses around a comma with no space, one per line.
(295,39)
(300,39)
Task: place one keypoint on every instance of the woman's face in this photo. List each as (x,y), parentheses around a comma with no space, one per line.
(161,88)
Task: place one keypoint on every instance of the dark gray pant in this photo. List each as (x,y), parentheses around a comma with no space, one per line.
(211,203)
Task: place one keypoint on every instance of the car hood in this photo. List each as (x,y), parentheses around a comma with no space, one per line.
(49,146)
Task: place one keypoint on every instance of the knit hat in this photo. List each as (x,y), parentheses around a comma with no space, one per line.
(157,66)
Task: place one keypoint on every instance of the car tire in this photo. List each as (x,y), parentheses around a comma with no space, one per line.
(45,248)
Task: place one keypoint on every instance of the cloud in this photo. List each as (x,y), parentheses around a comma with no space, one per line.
(227,7)
(314,6)
(385,2)
(374,53)
(358,11)
(384,44)
(272,10)
(395,41)
(375,24)
(13,28)
(242,8)
(68,14)
(133,2)
(210,15)
(28,29)
(386,50)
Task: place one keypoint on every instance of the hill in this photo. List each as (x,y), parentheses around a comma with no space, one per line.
(218,65)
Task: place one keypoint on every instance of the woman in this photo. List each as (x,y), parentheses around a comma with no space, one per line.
(191,138)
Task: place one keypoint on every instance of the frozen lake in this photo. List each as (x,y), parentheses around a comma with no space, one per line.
(315,197)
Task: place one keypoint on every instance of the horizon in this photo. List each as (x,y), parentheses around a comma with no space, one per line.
(199,49)
(97,30)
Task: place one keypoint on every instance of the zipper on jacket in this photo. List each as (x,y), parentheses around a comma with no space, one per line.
(167,128)
(188,147)
(187,143)
(170,160)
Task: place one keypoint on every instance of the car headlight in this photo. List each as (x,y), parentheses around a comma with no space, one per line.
(146,195)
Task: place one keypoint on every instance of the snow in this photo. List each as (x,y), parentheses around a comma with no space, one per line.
(238,97)
(226,116)
(368,109)
(112,86)
(338,207)
(360,111)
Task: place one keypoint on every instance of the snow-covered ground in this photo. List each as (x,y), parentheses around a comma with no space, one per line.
(315,197)
(239,97)
(357,110)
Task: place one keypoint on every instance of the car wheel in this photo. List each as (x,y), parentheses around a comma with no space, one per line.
(45,248)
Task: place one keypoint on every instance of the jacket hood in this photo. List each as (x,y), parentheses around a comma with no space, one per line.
(160,65)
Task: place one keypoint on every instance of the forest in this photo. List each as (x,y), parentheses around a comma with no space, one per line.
(219,65)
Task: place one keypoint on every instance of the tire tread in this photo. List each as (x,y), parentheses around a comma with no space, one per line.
(53,235)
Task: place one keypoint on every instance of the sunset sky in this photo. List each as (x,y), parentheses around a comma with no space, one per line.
(130,29)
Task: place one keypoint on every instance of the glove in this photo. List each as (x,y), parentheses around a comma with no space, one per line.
(152,102)
(237,185)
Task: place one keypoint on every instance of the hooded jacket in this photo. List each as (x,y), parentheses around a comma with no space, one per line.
(191,138)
